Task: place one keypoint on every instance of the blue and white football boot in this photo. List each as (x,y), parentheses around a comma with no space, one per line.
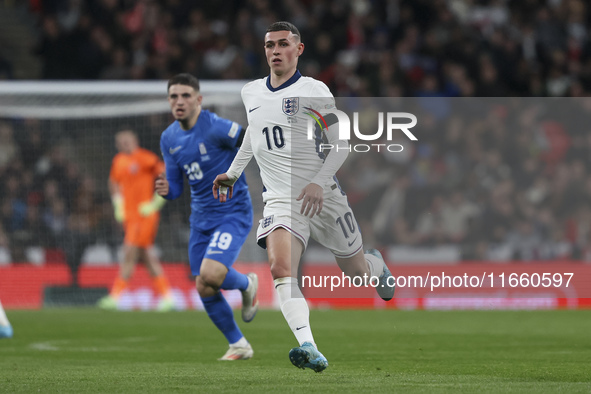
(307,356)
(386,286)
(6,332)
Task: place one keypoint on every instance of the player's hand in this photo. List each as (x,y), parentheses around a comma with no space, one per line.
(313,196)
(223,188)
(147,208)
(161,185)
(118,208)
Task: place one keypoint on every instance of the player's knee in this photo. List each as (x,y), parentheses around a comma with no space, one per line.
(280,268)
(199,285)
(203,289)
(210,279)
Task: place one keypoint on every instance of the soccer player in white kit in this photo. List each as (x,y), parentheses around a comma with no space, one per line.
(301,196)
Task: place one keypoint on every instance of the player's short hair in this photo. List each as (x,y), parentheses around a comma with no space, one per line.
(184,79)
(126,130)
(284,26)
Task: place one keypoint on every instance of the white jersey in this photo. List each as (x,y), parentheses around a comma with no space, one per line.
(277,135)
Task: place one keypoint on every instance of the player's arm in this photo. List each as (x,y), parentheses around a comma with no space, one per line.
(337,155)
(223,183)
(171,185)
(117,200)
(147,208)
(228,134)
(313,194)
(240,138)
(114,190)
(161,185)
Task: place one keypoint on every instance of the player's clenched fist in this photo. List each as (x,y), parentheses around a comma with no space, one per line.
(223,187)
(161,185)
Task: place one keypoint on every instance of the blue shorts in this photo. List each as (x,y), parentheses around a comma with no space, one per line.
(220,239)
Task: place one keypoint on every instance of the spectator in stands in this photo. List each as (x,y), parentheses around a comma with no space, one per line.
(498,47)
(81,228)
(33,145)
(14,206)
(4,245)
(118,67)
(9,149)
(456,216)
(55,220)
(53,48)
(430,224)
(390,210)
(30,235)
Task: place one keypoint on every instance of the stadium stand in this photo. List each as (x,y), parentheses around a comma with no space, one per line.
(420,47)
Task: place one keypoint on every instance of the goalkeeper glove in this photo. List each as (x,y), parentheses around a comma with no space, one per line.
(118,206)
(149,207)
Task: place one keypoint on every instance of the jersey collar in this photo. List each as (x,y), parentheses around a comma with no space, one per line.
(285,84)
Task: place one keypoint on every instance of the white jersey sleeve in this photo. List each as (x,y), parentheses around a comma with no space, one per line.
(340,148)
(242,158)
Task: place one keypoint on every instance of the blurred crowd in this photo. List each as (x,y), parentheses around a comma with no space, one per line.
(47,201)
(510,181)
(500,179)
(358,47)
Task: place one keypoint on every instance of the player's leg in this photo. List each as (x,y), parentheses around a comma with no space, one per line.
(337,229)
(248,284)
(126,268)
(144,238)
(284,251)
(369,265)
(5,327)
(210,275)
(131,254)
(225,247)
(159,280)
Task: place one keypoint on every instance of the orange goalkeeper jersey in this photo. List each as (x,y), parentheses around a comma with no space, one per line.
(135,174)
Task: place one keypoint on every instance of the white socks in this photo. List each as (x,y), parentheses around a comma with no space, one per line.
(376,266)
(3,318)
(242,342)
(295,309)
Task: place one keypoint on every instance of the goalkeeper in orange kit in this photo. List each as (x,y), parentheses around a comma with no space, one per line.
(131,184)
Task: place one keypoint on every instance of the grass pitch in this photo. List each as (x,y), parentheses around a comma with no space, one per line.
(87,350)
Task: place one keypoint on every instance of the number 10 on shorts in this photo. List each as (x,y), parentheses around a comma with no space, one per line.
(221,241)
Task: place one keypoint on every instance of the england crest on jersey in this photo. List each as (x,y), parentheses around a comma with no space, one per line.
(291,105)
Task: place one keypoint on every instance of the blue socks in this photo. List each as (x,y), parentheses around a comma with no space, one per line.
(221,315)
(235,280)
(218,309)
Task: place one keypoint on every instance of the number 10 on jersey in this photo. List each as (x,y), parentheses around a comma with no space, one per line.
(277,137)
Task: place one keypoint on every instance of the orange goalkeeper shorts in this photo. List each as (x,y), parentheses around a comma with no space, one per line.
(141,232)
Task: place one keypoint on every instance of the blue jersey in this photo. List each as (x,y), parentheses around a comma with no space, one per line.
(202,153)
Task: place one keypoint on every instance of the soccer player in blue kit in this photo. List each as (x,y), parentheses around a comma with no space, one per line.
(200,145)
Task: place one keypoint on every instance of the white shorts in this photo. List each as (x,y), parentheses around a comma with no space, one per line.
(335,228)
